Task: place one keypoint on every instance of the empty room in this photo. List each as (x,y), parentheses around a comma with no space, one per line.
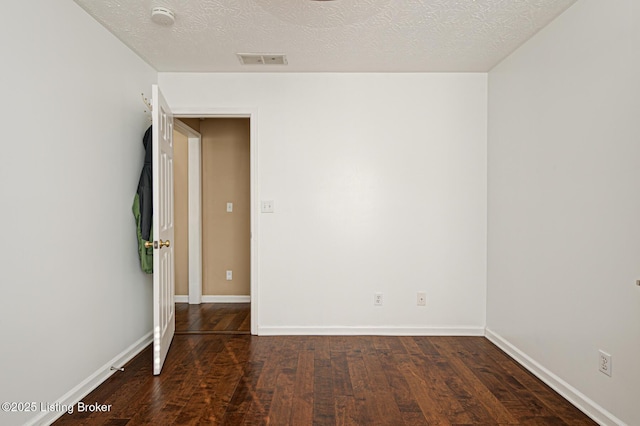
(440,223)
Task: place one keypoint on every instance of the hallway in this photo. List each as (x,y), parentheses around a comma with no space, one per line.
(213,318)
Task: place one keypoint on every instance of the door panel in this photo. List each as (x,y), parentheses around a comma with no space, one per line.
(163,223)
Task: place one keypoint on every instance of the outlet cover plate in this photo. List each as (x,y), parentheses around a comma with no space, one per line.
(604,363)
(377,299)
(422,298)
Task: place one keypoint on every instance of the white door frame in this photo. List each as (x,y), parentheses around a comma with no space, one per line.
(195,204)
(194,211)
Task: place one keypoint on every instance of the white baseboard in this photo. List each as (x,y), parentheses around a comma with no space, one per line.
(215,299)
(369,331)
(226,299)
(571,394)
(85,387)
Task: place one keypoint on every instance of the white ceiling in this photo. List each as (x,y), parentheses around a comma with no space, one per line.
(329,36)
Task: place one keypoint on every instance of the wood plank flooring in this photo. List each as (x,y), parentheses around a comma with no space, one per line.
(213,318)
(226,379)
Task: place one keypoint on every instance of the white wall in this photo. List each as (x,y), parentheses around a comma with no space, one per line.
(379,183)
(564,211)
(73,296)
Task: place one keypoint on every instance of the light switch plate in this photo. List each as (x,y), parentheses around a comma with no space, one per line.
(267,206)
(229,207)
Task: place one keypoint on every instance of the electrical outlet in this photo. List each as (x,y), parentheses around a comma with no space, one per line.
(604,363)
(377,299)
(229,275)
(422,298)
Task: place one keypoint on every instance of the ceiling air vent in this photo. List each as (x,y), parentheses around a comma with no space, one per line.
(262,59)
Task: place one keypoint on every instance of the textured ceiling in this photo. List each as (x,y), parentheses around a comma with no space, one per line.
(334,36)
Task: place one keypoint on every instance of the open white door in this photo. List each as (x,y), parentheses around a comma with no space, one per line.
(163,259)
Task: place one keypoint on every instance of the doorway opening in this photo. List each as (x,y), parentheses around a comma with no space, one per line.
(217,192)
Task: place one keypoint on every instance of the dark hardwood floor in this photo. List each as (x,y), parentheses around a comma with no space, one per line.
(325,380)
(213,318)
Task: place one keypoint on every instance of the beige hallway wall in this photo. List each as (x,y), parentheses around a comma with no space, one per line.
(194,123)
(226,242)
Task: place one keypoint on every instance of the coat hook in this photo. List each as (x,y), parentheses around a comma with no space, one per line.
(146,102)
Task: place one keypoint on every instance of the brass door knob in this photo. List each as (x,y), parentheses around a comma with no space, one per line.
(165,243)
(148,244)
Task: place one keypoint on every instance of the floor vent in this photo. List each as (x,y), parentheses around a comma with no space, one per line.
(262,59)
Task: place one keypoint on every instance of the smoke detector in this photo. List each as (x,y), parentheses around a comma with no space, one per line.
(163,16)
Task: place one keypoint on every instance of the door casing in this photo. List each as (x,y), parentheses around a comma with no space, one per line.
(194,211)
(195,202)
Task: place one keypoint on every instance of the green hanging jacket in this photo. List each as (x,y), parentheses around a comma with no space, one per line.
(146,254)
(143,205)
